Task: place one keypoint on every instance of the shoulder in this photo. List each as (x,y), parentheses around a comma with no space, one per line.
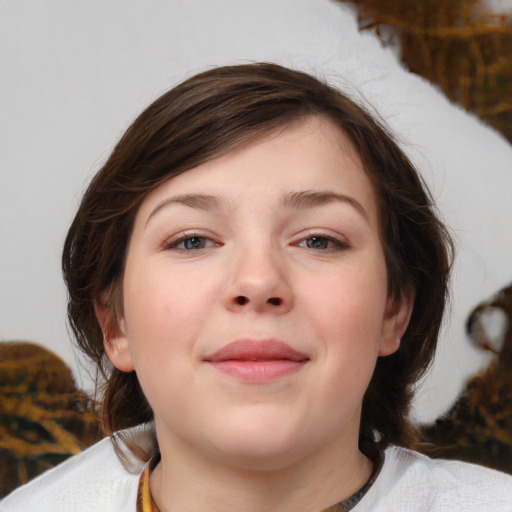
(410,481)
(94,480)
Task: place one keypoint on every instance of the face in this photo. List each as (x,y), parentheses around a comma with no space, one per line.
(255,300)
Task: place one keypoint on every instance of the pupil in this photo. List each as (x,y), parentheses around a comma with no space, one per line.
(317,242)
(193,243)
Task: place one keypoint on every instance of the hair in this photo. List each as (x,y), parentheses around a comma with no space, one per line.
(207,116)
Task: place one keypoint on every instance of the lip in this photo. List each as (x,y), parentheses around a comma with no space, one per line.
(253,360)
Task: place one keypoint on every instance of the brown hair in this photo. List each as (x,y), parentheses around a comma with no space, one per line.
(205,117)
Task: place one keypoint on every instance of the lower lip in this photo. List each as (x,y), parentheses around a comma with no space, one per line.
(258,371)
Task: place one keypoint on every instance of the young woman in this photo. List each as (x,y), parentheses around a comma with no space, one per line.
(259,275)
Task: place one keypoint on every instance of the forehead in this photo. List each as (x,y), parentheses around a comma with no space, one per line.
(310,154)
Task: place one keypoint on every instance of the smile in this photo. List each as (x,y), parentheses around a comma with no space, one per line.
(257,360)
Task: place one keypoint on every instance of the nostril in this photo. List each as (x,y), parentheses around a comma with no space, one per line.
(275,301)
(241,300)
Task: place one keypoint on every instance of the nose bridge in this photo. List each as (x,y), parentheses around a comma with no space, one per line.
(258,276)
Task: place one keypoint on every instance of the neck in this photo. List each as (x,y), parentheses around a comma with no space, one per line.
(189,483)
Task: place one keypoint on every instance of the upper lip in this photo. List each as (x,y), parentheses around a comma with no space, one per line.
(256,350)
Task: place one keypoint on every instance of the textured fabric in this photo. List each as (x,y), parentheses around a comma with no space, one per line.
(411,482)
(95,481)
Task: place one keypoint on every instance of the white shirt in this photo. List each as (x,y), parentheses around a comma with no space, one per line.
(96,481)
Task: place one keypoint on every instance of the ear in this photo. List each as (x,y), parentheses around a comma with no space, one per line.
(396,319)
(115,341)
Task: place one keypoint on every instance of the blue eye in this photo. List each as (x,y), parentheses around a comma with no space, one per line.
(189,243)
(193,243)
(322,243)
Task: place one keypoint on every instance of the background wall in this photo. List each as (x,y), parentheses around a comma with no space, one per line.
(74,74)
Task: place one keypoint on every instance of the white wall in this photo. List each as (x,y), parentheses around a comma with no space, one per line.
(73,75)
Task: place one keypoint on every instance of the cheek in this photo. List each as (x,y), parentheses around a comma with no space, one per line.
(350,305)
(159,333)
(164,311)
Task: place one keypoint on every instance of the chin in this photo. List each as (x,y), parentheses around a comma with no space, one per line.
(259,445)
(261,458)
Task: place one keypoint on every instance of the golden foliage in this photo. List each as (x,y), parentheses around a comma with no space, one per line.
(457,44)
(43,418)
(478,428)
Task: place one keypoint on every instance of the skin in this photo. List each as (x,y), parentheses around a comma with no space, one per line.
(201,273)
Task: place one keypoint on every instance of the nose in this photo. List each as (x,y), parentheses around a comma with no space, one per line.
(258,281)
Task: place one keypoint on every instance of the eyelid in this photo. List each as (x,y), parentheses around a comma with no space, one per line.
(171,242)
(340,242)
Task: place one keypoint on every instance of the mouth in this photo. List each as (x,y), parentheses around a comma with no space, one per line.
(257,360)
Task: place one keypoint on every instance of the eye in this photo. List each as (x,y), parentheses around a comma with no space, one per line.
(189,242)
(322,243)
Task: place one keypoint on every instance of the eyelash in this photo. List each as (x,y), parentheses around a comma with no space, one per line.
(337,245)
(173,243)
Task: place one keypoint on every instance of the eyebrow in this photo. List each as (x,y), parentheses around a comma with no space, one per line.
(294,200)
(312,198)
(197,201)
